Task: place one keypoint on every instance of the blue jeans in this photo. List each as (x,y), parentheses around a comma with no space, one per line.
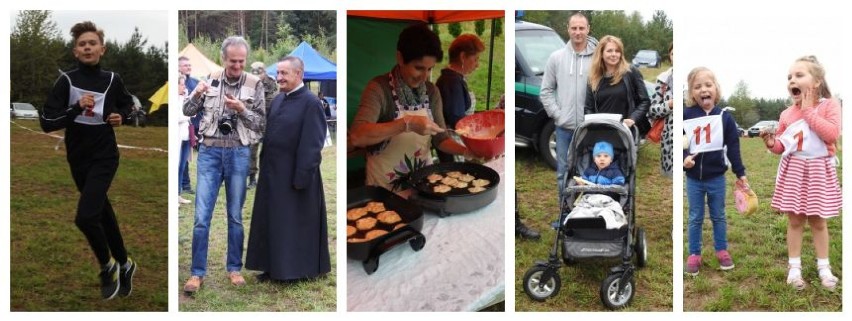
(183,168)
(215,165)
(714,191)
(563,144)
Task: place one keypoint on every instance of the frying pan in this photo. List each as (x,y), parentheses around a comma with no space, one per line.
(368,252)
(457,200)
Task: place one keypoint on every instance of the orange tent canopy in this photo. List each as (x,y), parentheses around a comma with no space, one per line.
(430,16)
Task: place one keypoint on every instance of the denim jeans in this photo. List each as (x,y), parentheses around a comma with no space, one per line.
(563,144)
(183,168)
(215,165)
(714,191)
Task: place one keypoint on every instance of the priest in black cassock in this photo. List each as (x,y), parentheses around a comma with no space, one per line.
(289,233)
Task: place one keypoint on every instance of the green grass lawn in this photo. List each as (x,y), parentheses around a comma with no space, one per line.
(758,245)
(478,80)
(537,199)
(217,293)
(52,267)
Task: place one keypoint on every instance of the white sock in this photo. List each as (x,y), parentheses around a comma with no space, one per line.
(795,268)
(824,268)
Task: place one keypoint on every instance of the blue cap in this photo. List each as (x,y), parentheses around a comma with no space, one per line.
(602,147)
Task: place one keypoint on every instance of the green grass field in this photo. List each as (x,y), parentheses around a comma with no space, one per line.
(538,203)
(52,266)
(757,243)
(217,293)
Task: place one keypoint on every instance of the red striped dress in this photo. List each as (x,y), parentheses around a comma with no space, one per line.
(809,186)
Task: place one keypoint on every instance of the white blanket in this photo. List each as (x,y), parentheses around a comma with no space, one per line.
(599,205)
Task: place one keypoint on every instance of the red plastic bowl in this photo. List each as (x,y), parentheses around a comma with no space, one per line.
(478,133)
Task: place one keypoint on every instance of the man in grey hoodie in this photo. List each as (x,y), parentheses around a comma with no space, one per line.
(563,88)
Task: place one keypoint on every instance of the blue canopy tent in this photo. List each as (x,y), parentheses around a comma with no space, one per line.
(317,67)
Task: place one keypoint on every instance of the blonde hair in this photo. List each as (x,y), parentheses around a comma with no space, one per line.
(691,81)
(816,70)
(598,69)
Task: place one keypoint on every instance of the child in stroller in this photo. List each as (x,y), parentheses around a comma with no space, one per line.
(605,172)
(605,185)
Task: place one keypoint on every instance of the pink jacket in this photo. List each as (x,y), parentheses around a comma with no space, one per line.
(824,120)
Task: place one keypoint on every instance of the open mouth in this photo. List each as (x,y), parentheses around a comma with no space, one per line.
(706,99)
(796,91)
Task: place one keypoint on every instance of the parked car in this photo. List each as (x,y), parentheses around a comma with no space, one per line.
(533,128)
(647,58)
(754,131)
(23,110)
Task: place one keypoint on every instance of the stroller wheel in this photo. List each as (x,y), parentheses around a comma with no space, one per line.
(641,248)
(609,292)
(538,289)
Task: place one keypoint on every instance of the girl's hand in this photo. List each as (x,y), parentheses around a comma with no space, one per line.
(628,122)
(767,138)
(689,161)
(809,98)
(669,102)
(114,120)
(743,181)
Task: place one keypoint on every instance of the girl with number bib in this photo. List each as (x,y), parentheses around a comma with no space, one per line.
(807,188)
(712,135)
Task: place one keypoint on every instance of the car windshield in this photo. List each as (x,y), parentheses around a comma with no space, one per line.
(763,123)
(646,54)
(24,107)
(536,46)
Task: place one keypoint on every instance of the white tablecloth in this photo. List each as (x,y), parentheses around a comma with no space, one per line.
(461,268)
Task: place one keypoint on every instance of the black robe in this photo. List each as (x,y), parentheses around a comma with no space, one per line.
(289,232)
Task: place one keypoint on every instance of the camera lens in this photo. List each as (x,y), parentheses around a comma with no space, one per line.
(225,126)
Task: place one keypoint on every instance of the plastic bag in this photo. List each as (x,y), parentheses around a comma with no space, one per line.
(746,199)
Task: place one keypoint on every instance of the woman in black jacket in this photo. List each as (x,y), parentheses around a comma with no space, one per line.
(614,86)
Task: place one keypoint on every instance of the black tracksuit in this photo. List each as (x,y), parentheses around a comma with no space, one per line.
(92,153)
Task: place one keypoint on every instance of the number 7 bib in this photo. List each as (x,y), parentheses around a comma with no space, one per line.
(801,141)
(705,134)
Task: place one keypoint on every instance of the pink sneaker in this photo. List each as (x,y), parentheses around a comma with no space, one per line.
(693,262)
(725,260)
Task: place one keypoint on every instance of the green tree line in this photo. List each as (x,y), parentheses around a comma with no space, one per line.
(656,34)
(751,110)
(38,52)
(271,34)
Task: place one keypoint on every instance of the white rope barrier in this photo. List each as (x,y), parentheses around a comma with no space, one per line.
(155,149)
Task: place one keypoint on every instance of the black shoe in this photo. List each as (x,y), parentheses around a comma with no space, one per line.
(126,279)
(263,277)
(109,281)
(525,232)
(252,182)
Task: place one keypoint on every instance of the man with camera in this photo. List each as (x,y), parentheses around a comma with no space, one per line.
(233,118)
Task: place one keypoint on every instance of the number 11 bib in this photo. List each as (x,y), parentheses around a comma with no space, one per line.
(705,134)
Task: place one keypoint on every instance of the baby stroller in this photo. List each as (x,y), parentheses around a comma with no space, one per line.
(583,238)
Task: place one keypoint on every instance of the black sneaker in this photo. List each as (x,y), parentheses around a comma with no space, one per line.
(126,278)
(109,281)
